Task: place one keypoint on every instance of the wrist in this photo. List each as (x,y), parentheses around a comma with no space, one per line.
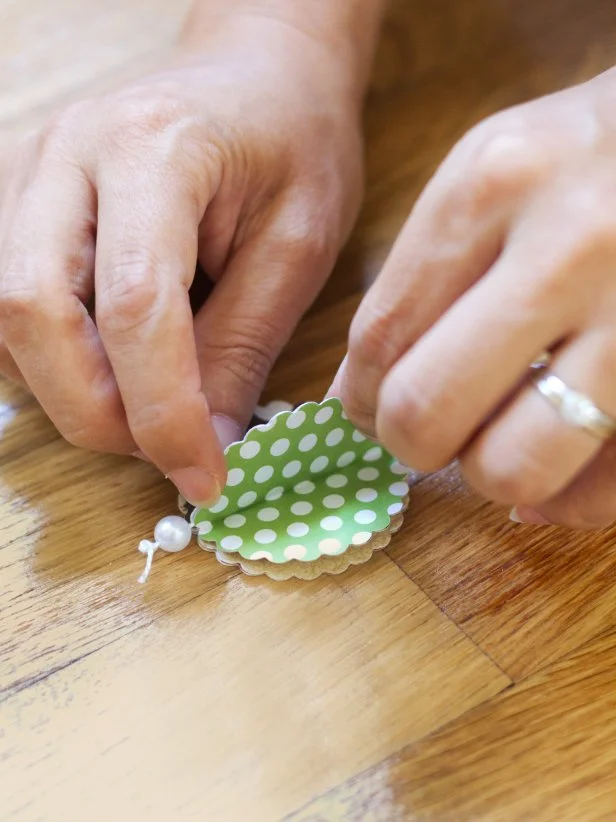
(346,32)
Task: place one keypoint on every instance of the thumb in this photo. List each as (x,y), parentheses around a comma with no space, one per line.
(254,308)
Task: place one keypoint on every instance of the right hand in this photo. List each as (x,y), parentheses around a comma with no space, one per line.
(246,157)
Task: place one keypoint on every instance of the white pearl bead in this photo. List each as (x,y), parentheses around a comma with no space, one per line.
(172,534)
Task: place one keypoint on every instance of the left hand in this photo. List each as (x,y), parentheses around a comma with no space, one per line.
(510,251)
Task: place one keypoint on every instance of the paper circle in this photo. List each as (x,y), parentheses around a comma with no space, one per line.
(395,508)
(346,459)
(368,474)
(358,436)
(274,493)
(204,527)
(361,537)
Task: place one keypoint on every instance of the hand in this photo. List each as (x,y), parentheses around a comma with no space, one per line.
(245,156)
(510,251)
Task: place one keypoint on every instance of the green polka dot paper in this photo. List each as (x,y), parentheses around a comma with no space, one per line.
(304,485)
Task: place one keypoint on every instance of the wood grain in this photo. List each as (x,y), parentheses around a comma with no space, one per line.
(207,695)
(245,701)
(543,750)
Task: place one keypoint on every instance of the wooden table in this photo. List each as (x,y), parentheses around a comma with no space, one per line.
(468,673)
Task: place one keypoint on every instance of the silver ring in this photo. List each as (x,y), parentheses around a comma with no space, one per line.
(574,408)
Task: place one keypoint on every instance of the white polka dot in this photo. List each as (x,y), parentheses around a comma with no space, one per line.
(295,551)
(323,415)
(250,449)
(265,536)
(235,521)
(219,506)
(368,474)
(346,459)
(268,514)
(366,494)
(292,468)
(337,481)
(247,499)
(265,473)
(333,501)
(373,454)
(274,493)
(358,436)
(343,414)
(330,546)
(235,476)
(361,537)
(298,529)
(262,555)
(395,508)
(320,464)
(331,523)
(300,509)
(397,468)
(308,442)
(296,418)
(364,517)
(280,447)
(305,487)
(204,527)
(231,543)
(398,489)
(334,437)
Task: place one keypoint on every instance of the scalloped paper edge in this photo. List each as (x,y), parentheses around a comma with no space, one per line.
(306,571)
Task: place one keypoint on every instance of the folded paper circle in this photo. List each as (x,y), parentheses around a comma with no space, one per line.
(305,485)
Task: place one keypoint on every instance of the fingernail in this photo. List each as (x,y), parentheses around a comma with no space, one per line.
(196,485)
(335,389)
(227,430)
(527,516)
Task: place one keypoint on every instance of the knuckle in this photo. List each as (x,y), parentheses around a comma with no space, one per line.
(371,335)
(131,292)
(18,303)
(507,479)
(302,233)
(59,131)
(503,159)
(137,119)
(150,419)
(247,352)
(410,426)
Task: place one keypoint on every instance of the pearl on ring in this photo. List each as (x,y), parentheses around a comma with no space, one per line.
(171,534)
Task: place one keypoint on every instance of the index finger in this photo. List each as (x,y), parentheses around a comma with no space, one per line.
(145,261)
